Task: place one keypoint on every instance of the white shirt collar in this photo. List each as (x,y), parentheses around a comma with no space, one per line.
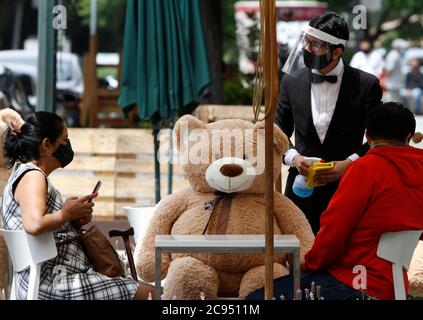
(337,71)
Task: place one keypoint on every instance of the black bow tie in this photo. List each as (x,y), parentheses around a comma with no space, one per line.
(317,78)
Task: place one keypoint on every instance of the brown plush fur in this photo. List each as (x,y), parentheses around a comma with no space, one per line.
(418,137)
(183,214)
(415,273)
(6,117)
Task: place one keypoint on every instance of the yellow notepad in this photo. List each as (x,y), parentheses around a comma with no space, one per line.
(314,169)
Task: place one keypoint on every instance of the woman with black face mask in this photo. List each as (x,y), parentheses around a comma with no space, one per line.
(34,150)
(326,103)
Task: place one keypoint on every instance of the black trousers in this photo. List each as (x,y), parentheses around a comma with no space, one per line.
(313,206)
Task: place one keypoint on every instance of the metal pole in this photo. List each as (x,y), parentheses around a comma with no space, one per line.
(46,57)
(170,164)
(156,130)
(17,30)
(271,95)
(92,93)
(93,18)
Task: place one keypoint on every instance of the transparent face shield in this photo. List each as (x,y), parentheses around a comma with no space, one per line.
(313,50)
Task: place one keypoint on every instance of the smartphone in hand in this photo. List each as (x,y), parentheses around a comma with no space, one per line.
(83,222)
(96,188)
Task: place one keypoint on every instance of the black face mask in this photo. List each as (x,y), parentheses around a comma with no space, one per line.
(64,154)
(313,61)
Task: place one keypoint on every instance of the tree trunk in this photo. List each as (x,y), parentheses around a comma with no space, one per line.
(212,22)
(17,31)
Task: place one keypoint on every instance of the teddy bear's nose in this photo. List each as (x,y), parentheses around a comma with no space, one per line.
(231,170)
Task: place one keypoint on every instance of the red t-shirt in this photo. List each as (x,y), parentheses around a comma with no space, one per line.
(381,192)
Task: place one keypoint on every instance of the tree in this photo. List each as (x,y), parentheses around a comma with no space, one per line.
(212,22)
(399,16)
(110,20)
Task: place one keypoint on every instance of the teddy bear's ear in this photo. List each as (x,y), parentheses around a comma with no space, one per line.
(184,126)
(418,137)
(280,140)
(9,116)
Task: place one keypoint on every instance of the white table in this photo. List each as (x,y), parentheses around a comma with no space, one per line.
(225,244)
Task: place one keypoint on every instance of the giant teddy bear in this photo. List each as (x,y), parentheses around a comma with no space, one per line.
(226,196)
(6,117)
(415,273)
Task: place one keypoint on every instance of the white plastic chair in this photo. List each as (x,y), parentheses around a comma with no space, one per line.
(29,251)
(398,248)
(139,219)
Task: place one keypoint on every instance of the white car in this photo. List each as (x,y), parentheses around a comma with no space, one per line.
(69,73)
(28,77)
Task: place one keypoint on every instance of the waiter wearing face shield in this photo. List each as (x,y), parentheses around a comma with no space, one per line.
(326,102)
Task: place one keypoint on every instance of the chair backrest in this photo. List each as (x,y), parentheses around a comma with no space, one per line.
(29,251)
(398,248)
(139,219)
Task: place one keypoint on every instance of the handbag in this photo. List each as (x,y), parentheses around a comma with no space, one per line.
(101,254)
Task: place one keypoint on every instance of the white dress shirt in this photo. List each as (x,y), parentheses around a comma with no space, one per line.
(324,96)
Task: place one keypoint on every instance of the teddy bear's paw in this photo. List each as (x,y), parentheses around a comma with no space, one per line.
(415,272)
(190,279)
(255,279)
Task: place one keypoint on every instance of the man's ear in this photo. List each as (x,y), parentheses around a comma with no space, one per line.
(280,140)
(184,126)
(369,140)
(337,53)
(408,139)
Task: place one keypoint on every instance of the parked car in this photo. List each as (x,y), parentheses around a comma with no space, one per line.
(13,90)
(69,73)
(68,96)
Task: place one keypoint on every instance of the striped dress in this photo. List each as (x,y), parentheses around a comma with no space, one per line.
(69,276)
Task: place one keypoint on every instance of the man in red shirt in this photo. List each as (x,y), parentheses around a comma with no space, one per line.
(380,192)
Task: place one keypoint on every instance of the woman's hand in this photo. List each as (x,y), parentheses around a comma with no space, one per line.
(78,208)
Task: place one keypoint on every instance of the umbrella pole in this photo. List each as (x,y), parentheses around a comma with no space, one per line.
(170,165)
(156,130)
(270,72)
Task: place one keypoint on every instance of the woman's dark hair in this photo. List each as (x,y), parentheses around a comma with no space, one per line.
(24,146)
(334,24)
(390,121)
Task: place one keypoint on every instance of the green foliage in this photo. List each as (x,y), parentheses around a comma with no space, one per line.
(108,12)
(230,48)
(238,90)
(110,20)
(391,10)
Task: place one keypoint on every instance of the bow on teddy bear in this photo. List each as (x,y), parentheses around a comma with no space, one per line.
(224,163)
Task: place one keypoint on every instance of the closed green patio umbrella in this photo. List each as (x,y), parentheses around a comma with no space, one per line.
(165,66)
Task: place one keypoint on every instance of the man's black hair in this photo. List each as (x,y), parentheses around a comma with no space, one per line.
(333,24)
(391,121)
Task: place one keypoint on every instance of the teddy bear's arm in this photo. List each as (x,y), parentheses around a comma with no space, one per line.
(291,220)
(166,213)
